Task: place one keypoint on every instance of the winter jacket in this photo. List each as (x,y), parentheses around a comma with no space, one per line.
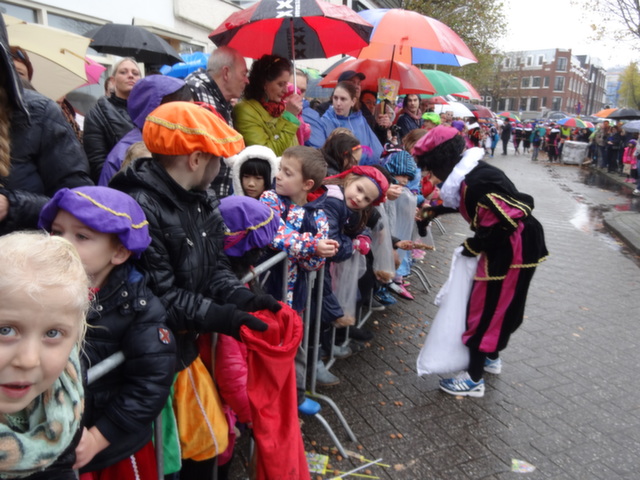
(301,228)
(357,124)
(406,123)
(188,269)
(259,128)
(231,374)
(312,118)
(124,403)
(145,97)
(105,124)
(62,467)
(45,157)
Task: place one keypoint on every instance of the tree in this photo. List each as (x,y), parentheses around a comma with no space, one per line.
(612,15)
(630,86)
(478,22)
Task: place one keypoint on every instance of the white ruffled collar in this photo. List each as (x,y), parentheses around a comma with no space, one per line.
(450,190)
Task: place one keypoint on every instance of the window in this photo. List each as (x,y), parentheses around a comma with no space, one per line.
(535,82)
(546,82)
(557,103)
(507,62)
(525,82)
(544,102)
(558,84)
(26,14)
(529,61)
(562,64)
(533,104)
(540,60)
(70,24)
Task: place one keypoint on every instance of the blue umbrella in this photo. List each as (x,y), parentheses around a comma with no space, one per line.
(191,63)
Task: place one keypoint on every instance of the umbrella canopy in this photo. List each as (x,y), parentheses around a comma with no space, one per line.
(444,83)
(471,93)
(458,109)
(480,111)
(632,126)
(410,78)
(410,37)
(294,30)
(575,122)
(190,63)
(605,113)
(625,114)
(509,116)
(94,71)
(132,41)
(57,56)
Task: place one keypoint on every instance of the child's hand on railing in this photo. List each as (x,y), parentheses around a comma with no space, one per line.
(327,248)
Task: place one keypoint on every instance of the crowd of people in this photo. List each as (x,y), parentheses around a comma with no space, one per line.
(145,225)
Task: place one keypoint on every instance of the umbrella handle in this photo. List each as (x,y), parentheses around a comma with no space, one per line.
(66,50)
(293,57)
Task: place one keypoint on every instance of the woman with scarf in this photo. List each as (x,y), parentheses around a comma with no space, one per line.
(410,117)
(508,242)
(263,117)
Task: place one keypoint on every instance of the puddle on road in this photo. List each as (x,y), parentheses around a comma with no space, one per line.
(594,179)
(588,219)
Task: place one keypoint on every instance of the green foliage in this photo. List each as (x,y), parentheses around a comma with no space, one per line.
(630,86)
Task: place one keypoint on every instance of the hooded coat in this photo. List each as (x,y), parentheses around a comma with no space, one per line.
(145,97)
(357,124)
(254,151)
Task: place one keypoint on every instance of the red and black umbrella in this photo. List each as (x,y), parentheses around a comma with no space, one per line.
(293,29)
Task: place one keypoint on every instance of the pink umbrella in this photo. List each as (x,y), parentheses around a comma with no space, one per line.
(94,71)
(471,93)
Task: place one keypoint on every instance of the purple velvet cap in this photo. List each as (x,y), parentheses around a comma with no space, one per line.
(250,224)
(104,210)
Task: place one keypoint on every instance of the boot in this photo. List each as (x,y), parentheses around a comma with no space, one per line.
(324,377)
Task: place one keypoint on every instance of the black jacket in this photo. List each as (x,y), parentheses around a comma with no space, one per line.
(123,404)
(105,124)
(45,157)
(187,266)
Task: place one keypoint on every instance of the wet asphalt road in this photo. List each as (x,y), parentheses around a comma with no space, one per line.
(567,401)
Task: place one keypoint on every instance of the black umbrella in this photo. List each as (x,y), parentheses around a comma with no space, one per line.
(133,41)
(625,114)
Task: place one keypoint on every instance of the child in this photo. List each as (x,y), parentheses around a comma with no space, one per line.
(629,162)
(303,224)
(253,170)
(108,227)
(44,297)
(536,141)
(341,151)
(187,268)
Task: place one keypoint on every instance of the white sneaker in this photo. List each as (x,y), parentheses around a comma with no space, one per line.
(636,192)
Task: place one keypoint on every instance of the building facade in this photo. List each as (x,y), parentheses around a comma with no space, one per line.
(534,82)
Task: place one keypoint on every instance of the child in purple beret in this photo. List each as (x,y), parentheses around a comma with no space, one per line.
(108,227)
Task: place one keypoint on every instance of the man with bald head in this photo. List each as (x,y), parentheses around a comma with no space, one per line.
(223,80)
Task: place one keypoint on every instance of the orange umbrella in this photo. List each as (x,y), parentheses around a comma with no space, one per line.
(410,77)
(605,113)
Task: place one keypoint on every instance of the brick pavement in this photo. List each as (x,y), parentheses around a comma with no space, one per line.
(566,401)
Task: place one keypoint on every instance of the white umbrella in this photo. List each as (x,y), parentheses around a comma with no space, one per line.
(458,109)
(57,56)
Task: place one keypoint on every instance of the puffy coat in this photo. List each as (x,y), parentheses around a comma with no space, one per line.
(105,124)
(45,157)
(124,403)
(357,124)
(259,128)
(188,269)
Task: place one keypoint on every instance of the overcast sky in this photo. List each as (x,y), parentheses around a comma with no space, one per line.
(558,24)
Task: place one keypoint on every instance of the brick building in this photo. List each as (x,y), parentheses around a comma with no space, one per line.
(533,82)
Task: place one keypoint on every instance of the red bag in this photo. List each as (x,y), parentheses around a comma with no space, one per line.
(271,387)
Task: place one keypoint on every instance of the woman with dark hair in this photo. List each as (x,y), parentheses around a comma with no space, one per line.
(263,117)
(341,151)
(411,116)
(508,241)
(343,113)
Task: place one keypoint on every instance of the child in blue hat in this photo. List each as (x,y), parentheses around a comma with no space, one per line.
(108,227)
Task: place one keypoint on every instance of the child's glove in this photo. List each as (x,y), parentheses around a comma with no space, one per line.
(362,244)
(262,302)
(227,319)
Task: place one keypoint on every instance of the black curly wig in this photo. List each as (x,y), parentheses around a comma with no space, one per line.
(441,160)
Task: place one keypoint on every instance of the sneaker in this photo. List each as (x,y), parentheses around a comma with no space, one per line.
(376,306)
(309,407)
(636,192)
(324,377)
(400,290)
(360,334)
(339,352)
(463,386)
(493,366)
(384,297)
